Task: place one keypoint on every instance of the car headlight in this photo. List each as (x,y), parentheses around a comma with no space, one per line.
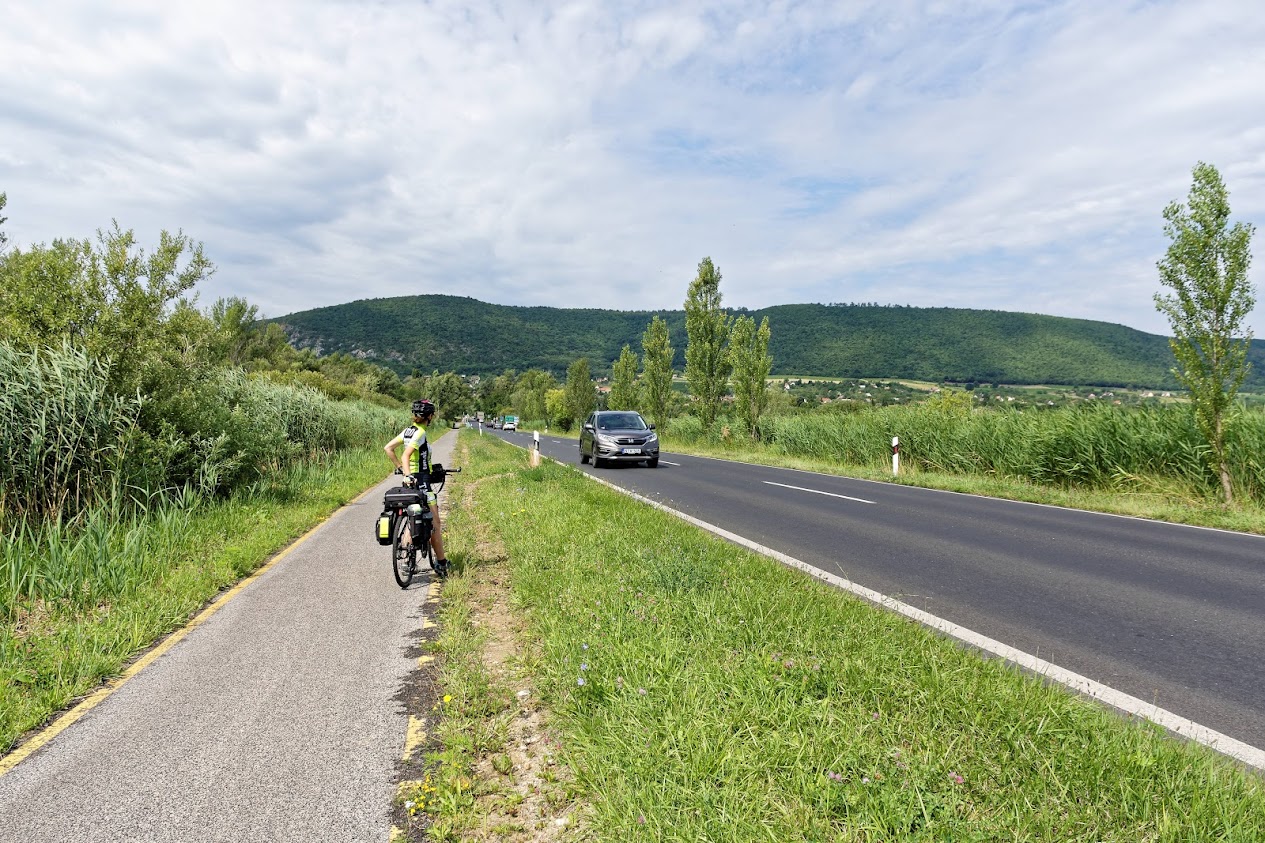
(605,440)
(654,437)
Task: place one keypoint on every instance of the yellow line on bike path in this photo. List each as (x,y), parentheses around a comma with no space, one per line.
(65,721)
(415,737)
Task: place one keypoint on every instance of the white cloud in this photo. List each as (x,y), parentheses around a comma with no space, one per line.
(983,154)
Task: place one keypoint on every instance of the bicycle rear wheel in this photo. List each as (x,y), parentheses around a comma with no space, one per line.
(403,554)
(425,550)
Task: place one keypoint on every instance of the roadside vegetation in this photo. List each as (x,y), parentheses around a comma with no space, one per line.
(686,689)
(1148,454)
(113,581)
(1146,461)
(152,454)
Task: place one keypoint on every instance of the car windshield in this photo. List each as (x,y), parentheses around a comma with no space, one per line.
(621,421)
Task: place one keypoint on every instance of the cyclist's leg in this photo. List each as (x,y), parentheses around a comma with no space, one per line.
(436,532)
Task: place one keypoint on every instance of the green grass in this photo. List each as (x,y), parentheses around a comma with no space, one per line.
(113,587)
(701,692)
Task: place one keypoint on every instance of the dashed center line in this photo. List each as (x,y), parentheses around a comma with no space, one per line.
(818,492)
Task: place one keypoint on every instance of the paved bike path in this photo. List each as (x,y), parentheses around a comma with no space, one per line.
(274,720)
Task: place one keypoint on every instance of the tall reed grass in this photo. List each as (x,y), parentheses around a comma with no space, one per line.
(64,437)
(1094,446)
(96,488)
(114,549)
(69,445)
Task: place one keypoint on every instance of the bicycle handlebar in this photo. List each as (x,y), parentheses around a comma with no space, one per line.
(411,479)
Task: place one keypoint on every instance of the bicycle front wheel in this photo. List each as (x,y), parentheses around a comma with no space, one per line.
(403,554)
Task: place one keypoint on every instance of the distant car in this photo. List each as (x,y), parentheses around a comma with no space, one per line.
(510,424)
(618,436)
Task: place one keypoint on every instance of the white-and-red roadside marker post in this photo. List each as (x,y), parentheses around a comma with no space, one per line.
(895,455)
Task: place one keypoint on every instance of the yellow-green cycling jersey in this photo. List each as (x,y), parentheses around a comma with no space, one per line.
(419,457)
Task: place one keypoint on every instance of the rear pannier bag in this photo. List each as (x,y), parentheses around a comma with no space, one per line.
(394,503)
(382,527)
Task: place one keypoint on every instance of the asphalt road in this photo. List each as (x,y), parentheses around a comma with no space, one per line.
(1172,615)
(273,720)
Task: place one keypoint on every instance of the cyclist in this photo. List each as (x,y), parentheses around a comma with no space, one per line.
(415,462)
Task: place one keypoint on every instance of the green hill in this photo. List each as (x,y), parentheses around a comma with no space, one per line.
(452,333)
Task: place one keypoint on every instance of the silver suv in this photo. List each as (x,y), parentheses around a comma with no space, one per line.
(618,436)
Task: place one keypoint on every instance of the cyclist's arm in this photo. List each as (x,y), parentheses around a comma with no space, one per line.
(390,449)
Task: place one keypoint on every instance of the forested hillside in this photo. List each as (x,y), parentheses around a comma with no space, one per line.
(451,333)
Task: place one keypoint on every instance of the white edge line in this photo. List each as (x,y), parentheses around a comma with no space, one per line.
(1226,745)
(816,491)
(985,497)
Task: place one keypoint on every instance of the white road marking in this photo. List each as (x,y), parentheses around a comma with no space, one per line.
(665,462)
(817,492)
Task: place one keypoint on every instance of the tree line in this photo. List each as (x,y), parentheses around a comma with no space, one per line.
(721,352)
(1205,268)
(450,333)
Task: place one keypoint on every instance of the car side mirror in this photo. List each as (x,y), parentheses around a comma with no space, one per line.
(652,427)
(588,426)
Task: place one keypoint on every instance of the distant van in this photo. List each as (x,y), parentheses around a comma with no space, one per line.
(511,423)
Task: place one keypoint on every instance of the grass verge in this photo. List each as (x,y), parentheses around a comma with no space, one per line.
(52,652)
(491,770)
(701,692)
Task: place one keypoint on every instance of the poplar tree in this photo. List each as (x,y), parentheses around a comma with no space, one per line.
(580,390)
(624,381)
(1206,268)
(707,329)
(749,356)
(656,371)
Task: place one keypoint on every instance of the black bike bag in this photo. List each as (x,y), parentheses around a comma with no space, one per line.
(400,497)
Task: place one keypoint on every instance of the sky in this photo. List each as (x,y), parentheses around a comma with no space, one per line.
(983,154)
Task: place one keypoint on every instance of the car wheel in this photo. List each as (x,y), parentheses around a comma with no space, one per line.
(597,462)
(654,463)
(584,458)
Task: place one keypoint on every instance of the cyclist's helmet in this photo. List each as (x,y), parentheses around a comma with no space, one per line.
(422,408)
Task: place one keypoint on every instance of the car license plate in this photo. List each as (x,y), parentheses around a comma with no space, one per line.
(632,451)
